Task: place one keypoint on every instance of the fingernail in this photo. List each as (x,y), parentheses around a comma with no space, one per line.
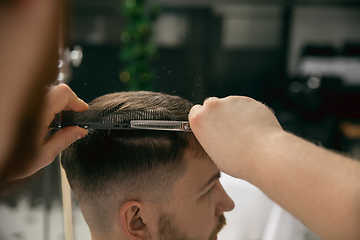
(82,101)
(82,134)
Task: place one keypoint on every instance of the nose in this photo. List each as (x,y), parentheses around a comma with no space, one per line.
(225,203)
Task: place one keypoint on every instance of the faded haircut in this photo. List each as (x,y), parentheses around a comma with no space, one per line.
(110,167)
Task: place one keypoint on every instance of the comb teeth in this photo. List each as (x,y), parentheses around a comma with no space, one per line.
(156,124)
(161,125)
(125,116)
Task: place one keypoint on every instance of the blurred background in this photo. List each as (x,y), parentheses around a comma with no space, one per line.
(300,57)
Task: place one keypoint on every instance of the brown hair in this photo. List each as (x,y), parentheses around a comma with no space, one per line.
(128,162)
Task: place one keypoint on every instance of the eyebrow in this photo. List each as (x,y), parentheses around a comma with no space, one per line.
(216,176)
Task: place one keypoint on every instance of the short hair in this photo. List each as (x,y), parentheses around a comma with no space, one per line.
(120,163)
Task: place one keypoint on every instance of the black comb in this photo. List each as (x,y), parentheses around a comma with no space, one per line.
(121,119)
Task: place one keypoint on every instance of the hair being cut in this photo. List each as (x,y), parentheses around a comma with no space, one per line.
(121,164)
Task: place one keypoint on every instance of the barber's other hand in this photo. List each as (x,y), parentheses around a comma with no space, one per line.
(58,98)
(232,131)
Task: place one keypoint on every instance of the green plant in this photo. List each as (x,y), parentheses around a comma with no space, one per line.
(137,48)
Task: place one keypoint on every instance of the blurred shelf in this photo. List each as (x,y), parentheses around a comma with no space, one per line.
(194,3)
(206,3)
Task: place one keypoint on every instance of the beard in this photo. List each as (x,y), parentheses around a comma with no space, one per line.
(167,230)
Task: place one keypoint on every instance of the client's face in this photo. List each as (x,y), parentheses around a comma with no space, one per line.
(168,231)
(196,212)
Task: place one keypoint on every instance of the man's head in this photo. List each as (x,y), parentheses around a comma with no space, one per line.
(146,184)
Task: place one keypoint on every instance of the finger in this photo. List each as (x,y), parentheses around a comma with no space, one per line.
(209,99)
(212,102)
(62,98)
(61,140)
(194,110)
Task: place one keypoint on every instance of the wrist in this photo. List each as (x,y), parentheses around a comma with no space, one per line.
(263,152)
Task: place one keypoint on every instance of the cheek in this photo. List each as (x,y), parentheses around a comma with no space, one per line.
(197,218)
(206,218)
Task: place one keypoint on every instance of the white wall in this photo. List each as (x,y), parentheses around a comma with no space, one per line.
(322,25)
(250,26)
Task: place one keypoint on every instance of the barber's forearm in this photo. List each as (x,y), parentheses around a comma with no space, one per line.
(319,187)
(245,140)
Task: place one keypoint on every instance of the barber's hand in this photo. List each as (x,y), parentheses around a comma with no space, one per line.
(58,98)
(232,131)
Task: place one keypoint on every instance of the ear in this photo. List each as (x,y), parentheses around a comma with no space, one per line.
(131,221)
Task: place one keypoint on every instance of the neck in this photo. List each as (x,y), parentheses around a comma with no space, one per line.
(106,236)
